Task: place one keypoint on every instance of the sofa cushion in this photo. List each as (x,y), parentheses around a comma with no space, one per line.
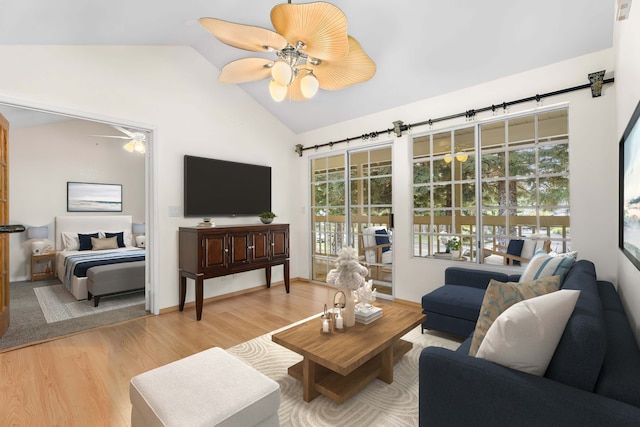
(543,265)
(382,238)
(455,301)
(525,336)
(581,350)
(500,296)
(515,248)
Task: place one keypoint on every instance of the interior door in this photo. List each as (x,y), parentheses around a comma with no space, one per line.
(4,219)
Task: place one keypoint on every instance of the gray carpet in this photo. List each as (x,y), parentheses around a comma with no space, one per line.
(378,404)
(28,323)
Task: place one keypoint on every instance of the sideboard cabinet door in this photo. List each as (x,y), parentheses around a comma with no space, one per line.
(279,242)
(215,251)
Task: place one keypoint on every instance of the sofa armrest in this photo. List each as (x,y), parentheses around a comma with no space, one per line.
(457,389)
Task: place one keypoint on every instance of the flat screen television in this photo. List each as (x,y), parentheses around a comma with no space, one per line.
(222,188)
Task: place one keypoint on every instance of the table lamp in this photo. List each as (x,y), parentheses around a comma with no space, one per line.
(37,234)
(139,230)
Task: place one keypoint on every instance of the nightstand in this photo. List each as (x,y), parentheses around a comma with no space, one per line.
(43,266)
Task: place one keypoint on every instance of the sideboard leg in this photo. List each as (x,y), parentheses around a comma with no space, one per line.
(183,290)
(267,271)
(286,275)
(199,296)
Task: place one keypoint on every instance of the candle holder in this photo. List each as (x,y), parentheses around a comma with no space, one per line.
(339,302)
(327,321)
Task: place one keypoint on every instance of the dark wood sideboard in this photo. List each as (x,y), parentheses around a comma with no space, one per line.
(207,252)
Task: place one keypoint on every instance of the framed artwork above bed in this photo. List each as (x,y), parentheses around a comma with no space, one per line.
(90,197)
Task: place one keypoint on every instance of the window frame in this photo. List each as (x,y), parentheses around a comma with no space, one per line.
(477,235)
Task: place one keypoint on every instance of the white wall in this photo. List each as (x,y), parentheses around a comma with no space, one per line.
(593,164)
(627,46)
(173,91)
(44,158)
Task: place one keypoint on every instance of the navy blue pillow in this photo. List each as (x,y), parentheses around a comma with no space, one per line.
(515,248)
(119,238)
(382,239)
(85,241)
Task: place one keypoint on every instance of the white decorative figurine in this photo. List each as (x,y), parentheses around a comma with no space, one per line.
(349,275)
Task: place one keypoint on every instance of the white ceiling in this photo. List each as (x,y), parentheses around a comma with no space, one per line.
(421,48)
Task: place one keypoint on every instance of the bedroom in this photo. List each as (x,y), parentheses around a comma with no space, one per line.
(47,152)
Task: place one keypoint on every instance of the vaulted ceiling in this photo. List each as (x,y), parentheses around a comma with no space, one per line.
(422,48)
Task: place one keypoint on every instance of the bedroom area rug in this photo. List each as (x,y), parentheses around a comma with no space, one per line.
(379,404)
(28,324)
(58,304)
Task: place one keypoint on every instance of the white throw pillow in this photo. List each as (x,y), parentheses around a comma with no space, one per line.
(525,336)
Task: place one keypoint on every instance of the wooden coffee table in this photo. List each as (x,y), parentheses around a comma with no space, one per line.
(338,365)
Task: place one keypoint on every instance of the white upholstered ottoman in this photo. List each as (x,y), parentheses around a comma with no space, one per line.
(210,388)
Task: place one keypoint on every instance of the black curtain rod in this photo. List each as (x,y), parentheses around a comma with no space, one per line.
(596,82)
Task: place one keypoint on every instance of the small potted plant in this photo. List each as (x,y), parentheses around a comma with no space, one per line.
(267,217)
(453,245)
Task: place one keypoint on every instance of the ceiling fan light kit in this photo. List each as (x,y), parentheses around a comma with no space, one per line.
(136,140)
(312,48)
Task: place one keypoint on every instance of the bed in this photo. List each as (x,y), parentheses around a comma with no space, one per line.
(72,264)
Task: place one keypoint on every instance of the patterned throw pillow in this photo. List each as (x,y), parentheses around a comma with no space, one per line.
(500,296)
(544,265)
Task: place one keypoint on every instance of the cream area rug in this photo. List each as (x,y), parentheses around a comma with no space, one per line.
(58,304)
(379,404)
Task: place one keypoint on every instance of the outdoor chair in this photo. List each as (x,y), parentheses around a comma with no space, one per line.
(378,252)
(519,251)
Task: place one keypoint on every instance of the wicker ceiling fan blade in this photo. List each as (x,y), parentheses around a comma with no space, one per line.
(356,67)
(247,37)
(246,70)
(321,26)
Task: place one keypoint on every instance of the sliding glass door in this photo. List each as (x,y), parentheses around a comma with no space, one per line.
(353,209)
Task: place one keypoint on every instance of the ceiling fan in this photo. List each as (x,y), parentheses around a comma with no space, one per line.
(312,49)
(136,139)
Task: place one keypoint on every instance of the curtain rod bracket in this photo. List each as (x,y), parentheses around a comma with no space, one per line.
(399,127)
(597,80)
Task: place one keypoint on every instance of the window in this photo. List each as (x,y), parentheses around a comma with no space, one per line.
(492,182)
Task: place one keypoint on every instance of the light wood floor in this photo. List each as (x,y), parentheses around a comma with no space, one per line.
(83,379)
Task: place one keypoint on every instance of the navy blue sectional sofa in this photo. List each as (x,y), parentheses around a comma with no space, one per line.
(455,306)
(593,378)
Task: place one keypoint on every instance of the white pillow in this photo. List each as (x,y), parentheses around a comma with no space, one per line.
(525,336)
(528,248)
(70,241)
